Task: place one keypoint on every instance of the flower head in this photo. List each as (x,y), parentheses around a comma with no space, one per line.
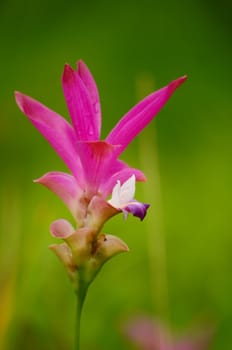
(94,164)
(96,170)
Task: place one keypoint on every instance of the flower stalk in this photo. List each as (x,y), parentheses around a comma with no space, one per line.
(80,298)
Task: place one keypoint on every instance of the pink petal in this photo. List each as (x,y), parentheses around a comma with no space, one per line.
(122,175)
(140,115)
(64,186)
(116,167)
(80,106)
(61,228)
(97,159)
(91,86)
(54,128)
(143,333)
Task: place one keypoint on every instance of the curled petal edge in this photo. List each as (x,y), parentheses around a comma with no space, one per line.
(64,186)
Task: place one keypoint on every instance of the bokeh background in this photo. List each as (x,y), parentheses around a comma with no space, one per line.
(180,261)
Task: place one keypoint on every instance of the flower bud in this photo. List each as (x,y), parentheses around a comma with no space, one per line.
(61,228)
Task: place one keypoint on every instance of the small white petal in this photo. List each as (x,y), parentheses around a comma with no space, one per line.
(127,191)
(121,195)
(115,200)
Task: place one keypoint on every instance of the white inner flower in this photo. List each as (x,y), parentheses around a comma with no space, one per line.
(123,194)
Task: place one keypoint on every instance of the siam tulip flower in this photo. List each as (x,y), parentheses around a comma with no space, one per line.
(96,171)
(94,164)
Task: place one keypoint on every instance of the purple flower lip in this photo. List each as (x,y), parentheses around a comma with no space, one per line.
(136,209)
(94,164)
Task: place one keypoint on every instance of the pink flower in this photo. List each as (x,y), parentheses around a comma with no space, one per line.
(96,170)
(150,335)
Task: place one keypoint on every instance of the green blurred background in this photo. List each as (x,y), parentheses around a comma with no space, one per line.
(180,261)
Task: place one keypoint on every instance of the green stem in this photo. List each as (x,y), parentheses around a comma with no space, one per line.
(81,294)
